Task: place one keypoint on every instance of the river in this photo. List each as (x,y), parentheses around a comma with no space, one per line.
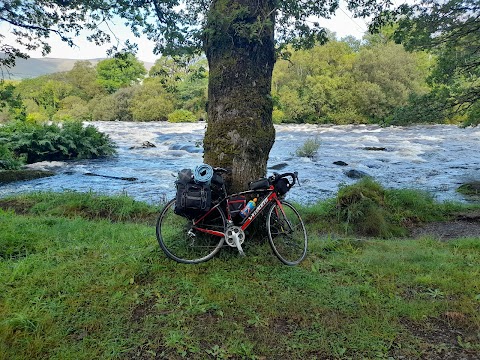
(434,158)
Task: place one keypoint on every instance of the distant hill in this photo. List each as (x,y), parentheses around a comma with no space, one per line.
(34,67)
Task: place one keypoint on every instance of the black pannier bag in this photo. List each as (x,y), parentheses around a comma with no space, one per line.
(216,186)
(281,186)
(192,199)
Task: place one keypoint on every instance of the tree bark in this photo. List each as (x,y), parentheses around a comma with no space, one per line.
(239,46)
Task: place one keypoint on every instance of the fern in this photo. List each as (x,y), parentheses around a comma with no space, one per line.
(38,142)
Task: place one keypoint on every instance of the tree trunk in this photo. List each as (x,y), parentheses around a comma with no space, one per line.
(240,51)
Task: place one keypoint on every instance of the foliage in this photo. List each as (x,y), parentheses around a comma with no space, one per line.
(11,104)
(8,160)
(367,208)
(335,84)
(448,29)
(309,148)
(38,142)
(121,71)
(83,78)
(151,102)
(181,116)
(72,108)
(385,76)
(46,92)
(103,108)
(107,284)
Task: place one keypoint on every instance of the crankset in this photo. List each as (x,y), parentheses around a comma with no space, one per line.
(235,237)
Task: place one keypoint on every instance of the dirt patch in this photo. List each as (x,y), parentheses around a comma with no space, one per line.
(447,338)
(464,225)
(20,207)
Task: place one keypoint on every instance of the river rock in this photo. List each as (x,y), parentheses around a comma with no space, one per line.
(145,145)
(279,166)
(374,148)
(112,177)
(355,174)
(8,176)
(340,163)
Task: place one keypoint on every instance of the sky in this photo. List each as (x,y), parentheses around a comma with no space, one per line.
(342,24)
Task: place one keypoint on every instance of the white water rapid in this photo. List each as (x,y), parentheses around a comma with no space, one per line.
(435,158)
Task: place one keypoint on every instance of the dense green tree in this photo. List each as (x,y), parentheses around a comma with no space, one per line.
(450,29)
(83,77)
(73,108)
(121,71)
(385,76)
(151,102)
(170,72)
(46,92)
(11,104)
(184,77)
(314,84)
(103,108)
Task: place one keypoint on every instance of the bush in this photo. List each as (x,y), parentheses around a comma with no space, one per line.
(366,208)
(309,148)
(8,160)
(39,142)
(278,116)
(362,208)
(181,116)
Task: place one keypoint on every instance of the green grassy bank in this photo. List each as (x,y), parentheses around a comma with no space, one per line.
(82,277)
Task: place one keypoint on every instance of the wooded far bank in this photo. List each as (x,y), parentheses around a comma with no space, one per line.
(346,81)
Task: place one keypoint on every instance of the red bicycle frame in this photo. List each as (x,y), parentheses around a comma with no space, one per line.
(271,197)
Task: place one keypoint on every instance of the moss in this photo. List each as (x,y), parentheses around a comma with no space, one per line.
(8,176)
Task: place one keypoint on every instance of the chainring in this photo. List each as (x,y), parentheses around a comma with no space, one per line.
(232,233)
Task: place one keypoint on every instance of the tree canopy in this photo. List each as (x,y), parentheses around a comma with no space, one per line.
(449,29)
(176,26)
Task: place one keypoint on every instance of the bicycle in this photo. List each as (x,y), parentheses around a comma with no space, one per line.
(198,240)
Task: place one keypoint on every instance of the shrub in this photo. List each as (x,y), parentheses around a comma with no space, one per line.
(8,160)
(39,142)
(278,116)
(362,208)
(366,208)
(181,116)
(309,148)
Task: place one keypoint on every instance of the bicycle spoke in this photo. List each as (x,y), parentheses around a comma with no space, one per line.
(287,233)
(183,242)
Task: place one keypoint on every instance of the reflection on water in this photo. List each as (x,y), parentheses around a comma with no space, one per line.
(436,158)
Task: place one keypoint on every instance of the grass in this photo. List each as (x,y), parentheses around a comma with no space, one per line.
(367,209)
(76,286)
(309,148)
(88,205)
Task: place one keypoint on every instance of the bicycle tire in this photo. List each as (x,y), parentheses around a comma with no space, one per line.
(181,243)
(286,233)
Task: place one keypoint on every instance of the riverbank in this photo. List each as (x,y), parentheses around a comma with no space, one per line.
(88,281)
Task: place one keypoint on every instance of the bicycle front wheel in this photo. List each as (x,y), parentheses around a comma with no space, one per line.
(286,233)
(181,242)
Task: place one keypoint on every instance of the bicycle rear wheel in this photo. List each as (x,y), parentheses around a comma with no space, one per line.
(286,233)
(182,243)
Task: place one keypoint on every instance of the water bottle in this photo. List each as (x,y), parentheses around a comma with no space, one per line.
(248,208)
